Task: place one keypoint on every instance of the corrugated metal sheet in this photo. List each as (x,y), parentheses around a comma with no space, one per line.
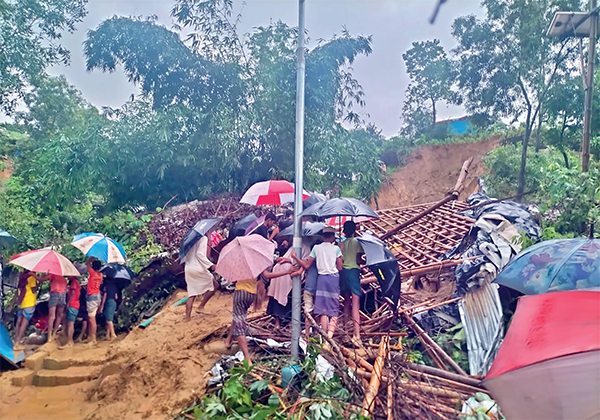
(481,315)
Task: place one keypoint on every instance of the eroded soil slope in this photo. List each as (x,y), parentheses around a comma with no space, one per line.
(432,171)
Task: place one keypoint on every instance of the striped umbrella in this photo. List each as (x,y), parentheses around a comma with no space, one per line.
(45,261)
(245,258)
(271,193)
(99,246)
(338,221)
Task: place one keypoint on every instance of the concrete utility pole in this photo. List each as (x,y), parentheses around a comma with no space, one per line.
(299,187)
(589,89)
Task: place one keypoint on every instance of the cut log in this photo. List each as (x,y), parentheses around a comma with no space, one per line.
(375,382)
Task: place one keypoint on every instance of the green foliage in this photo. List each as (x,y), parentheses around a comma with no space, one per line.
(506,68)
(224,118)
(454,342)
(572,194)
(30,31)
(432,76)
(242,396)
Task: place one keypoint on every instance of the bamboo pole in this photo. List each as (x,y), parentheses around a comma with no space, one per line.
(426,269)
(375,382)
(448,382)
(428,388)
(441,353)
(445,374)
(458,187)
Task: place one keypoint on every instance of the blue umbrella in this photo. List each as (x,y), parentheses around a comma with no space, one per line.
(6,239)
(553,266)
(99,246)
(200,229)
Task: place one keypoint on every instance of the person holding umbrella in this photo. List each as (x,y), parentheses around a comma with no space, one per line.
(72,309)
(27,290)
(329,260)
(108,306)
(243,261)
(93,297)
(198,276)
(350,277)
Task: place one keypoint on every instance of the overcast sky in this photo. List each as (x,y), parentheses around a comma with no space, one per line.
(394,25)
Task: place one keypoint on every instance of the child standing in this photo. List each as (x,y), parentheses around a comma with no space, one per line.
(329,261)
(72,309)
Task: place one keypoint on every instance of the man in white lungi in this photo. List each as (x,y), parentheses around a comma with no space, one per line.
(199,279)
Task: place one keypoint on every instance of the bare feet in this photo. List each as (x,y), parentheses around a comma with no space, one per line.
(91,342)
(187,319)
(66,346)
(18,347)
(50,339)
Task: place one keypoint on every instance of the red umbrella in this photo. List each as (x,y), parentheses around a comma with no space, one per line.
(271,193)
(338,221)
(549,364)
(45,261)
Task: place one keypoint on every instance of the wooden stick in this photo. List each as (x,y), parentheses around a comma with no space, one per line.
(425,269)
(359,360)
(390,392)
(390,401)
(323,334)
(441,353)
(477,383)
(391,334)
(373,389)
(444,303)
(448,382)
(428,388)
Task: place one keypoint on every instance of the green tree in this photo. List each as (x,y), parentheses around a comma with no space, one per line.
(222,111)
(432,77)
(564,106)
(507,65)
(30,31)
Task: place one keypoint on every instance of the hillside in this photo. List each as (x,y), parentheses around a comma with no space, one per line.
(432,171)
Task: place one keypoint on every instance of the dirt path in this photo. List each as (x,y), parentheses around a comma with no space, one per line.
(159,370)
(432,171)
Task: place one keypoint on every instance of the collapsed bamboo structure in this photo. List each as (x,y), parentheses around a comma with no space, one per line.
(391,386)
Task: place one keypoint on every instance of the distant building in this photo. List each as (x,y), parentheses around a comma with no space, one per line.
(457,126)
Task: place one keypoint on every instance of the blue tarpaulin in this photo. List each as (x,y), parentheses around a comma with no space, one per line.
(6,347)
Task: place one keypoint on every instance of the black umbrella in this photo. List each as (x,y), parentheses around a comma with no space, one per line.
(388,275)
(314,198)
(384,266)
(375,250)
(119,273)
(194,235)
(340,207)
(239,227)
(308,229)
